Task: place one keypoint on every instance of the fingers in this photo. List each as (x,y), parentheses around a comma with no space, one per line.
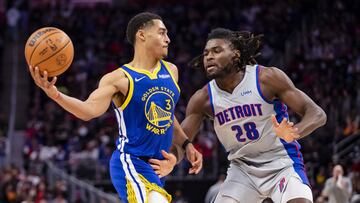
(165,154)
(169,157)
(295,135)
(53,81)
(192,170)
(32,72)
(38,78)
(155,167)
(274,121)
(197,164)
(159,174)
(36,75)
(283,122)
(154,161)
(195,169)
(294,130)
(45,79)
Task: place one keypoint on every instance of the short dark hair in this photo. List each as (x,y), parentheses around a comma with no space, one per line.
(137,22)
(246,42)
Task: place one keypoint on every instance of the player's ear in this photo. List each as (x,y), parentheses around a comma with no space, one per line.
(237,54)
(141,34)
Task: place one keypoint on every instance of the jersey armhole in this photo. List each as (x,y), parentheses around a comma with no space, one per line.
(211,98)
(171,74)
(258,70)
(130,89)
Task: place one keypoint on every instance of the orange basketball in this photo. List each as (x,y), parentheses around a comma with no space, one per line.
(49,49)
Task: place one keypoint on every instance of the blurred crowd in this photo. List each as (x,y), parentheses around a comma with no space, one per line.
(26,186)
(324,63)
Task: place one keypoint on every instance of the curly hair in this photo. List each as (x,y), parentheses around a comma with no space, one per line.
(246,42)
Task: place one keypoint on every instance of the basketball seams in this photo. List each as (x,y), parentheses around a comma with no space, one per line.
(54,53)
(40,43)
(61,69)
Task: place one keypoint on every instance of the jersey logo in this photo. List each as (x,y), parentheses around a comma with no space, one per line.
(159,108)
(138,79)
(247,92)
(156,114)
(281,184)
(164,76)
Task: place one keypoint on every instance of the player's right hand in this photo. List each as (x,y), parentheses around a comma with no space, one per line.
(285,130)
(43,82)
(163,167)
(195,158)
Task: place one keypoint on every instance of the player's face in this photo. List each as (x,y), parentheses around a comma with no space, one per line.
(218,58)
(156,39)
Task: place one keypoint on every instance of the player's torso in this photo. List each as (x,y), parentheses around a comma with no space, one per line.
(242,120)
(146,116)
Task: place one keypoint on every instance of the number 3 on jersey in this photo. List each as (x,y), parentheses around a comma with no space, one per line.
(250,129)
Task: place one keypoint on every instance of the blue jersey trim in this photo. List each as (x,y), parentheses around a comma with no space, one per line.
(211,99)
(293,151)
(258,85)
(293,148)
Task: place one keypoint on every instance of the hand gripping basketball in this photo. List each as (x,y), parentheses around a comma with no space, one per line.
(285,130)
(44,83)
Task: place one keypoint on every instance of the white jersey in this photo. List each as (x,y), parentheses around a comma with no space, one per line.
(242,122)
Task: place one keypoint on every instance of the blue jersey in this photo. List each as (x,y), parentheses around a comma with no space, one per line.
(145,119)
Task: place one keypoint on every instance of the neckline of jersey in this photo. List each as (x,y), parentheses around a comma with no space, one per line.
(236,87)
(151,75)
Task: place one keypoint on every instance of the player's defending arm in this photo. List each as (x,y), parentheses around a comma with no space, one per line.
(196,111)
(98,101)
(276,84)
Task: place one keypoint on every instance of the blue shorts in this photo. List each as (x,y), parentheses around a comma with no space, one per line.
(133,178)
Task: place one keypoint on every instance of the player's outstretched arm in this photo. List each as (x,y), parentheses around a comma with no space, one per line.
(98,101)
(196,111)
(277,84)
(165,166)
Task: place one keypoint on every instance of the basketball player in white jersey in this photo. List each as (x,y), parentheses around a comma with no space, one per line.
(248,105)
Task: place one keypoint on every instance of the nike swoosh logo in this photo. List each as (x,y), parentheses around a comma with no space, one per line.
(138,79)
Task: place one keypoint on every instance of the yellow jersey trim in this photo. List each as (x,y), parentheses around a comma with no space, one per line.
(153,187)
(130,91)
(151,75)
(171,74)
(131,197)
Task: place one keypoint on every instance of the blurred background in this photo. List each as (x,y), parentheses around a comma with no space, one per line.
(48,155)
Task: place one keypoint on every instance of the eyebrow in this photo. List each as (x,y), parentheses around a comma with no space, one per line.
(163,29)
(212,48)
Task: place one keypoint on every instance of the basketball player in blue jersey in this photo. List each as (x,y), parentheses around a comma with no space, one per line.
(143,93)
(248,103)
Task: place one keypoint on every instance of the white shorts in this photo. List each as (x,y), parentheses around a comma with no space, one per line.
(245,188)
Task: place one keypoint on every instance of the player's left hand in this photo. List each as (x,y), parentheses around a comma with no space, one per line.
(163,167)
(285,130)
(195,158)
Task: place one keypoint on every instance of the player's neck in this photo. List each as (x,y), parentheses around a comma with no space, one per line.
(144,60)
(230,81)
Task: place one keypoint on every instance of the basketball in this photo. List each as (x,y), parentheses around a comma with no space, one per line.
(50,49)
